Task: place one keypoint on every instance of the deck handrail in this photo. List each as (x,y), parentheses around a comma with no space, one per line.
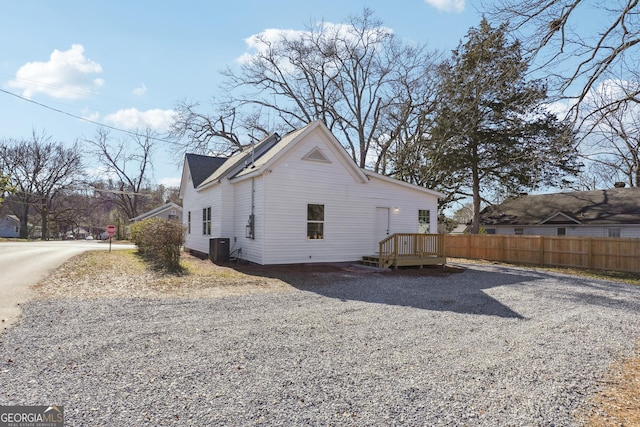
(409,245)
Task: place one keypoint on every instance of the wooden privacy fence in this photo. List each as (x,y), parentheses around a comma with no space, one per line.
(612,254)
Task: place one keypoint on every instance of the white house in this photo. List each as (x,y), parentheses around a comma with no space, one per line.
(613,212)
(297,199)
(9,226)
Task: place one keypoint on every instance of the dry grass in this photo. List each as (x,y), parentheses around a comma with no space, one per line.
(122,273)
(618,403)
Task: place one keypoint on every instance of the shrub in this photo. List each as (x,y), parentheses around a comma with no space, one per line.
(159,241)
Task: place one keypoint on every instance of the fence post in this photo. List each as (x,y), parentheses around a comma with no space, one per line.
(542,251)
(590,252)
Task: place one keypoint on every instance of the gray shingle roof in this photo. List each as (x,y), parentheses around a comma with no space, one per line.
(201,167)
(612,206)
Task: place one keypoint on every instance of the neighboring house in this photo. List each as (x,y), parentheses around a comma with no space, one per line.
(169,210)
(459,229)
(9,226)
(78,233)
(297,199)
(601,213)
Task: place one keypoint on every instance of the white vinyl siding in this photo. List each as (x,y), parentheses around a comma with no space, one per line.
(281,194)
(194,201)
(251,248)
(350,208)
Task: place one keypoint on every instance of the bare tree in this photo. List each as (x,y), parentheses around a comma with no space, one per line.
(39,171)
(614,143)
(464,214)
(555,33)
(201,133)
(127,165)
(358,78)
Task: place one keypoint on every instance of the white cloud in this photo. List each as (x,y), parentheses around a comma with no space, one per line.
(559,108)
(67,75)
(94,116)
(141,90)
(132,118)
(259,43)
(447,5)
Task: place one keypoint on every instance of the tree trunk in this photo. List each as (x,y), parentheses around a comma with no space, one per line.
(475,223)
(44,214)
(24,223)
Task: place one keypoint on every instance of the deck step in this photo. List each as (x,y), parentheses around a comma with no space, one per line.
(370,260)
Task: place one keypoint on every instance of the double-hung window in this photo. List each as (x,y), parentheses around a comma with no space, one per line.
(315,221)
(206,221)
(189,222)
(424,220)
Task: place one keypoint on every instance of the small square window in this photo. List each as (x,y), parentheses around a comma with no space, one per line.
(518,231)
(614,232)
(562,231)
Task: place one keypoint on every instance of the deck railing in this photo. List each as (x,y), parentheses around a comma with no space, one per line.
(410,246)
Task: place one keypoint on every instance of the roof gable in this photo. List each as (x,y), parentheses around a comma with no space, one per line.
(560,218)
(272,149)
(201,167)
(279,147)
(612,206)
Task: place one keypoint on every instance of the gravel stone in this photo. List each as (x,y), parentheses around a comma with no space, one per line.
(490,346)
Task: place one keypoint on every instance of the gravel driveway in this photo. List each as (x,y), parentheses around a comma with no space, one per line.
(491,346)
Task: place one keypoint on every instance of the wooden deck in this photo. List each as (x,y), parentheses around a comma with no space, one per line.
(405,261)
(405,249)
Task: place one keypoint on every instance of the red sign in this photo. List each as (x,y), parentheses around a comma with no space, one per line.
(111,229)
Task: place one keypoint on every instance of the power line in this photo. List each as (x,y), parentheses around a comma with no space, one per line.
(45,85)
(79,117)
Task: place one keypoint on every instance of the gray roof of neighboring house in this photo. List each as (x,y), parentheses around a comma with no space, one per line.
(202,167)
(612,206)
(156,211)
(12,218)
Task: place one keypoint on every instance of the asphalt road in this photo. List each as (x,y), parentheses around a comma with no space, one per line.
(24,264)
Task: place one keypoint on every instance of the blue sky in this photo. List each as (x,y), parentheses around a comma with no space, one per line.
(127,63)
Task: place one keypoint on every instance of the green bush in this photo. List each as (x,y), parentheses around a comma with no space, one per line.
(159,241)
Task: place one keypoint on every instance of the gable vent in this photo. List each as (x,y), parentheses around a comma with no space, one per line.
(317,156)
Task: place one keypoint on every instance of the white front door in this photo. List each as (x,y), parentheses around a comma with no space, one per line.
(382,227)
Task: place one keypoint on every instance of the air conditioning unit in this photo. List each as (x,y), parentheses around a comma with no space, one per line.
(219,249)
